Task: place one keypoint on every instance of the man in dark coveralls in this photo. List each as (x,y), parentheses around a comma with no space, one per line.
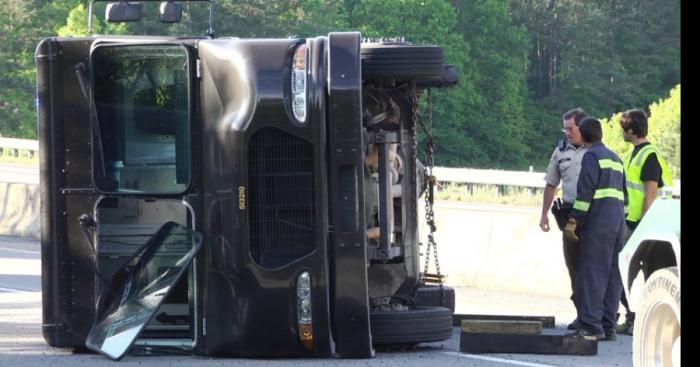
(598,218)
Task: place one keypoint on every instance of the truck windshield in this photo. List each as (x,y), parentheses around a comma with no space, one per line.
(142,104)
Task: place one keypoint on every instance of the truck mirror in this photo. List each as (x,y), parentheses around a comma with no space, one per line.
(123,11)
(170,12)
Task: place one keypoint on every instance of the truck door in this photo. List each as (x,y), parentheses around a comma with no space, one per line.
(115,125)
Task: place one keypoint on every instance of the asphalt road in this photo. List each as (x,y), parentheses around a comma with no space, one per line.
(21,343)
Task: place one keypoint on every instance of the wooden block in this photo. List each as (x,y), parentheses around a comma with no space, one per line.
(502,326)
(547,321)
(529,344)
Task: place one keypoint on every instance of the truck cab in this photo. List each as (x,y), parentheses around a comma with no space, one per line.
(233,197)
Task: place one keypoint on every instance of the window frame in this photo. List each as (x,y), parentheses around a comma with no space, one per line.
(97,156)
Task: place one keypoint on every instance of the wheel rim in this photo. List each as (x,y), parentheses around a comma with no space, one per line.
(660,335)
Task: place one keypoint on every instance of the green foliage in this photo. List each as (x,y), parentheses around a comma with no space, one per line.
(76,24)
(521,63)
(491,194)
(612,136)
(261,18)
(664,130)
(490,109)
(481,121)
(602,56)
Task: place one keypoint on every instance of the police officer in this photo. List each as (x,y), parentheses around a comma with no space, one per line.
(646,173)
(598,217)
(564,166)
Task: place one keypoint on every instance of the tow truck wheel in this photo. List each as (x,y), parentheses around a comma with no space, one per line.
(657,326)
(418,324)
(401,60)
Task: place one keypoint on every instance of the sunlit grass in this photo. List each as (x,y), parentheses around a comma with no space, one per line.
(490,194)
(22,158)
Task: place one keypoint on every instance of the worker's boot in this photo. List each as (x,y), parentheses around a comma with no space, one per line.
(610,335)
(575,325)
(588,334)
(626,327)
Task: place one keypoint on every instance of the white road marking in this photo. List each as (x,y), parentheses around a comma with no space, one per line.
(22,251)
(500,360)
(12,290)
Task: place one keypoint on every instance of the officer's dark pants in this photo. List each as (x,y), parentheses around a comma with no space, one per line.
(598,281)
(572,253)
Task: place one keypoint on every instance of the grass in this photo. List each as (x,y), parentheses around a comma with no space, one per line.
(490,194)
(7,157)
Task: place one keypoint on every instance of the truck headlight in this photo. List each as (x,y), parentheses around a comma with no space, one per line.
(299,83)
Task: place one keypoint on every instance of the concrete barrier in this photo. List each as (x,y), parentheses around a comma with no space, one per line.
(485,246)
(498,247)
(19,209)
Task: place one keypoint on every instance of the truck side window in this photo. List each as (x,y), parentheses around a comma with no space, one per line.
(141,95)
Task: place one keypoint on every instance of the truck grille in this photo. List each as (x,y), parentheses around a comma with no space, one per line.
(280,200)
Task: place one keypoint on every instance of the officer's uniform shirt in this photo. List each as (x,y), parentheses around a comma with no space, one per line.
(565,166)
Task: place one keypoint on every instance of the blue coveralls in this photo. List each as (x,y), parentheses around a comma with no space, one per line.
(599,208)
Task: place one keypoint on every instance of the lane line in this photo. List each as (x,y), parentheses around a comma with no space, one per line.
(13,290)
(500,360)
(22,251)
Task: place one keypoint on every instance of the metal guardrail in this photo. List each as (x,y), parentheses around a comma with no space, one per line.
(490,177)
(16,147)
(532,180)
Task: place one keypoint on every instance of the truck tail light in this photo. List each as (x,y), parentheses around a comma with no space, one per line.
(299,84)
(304,316)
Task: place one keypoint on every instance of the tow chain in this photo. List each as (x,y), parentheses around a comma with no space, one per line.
(430,194)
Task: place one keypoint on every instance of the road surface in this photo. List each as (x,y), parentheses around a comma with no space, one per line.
(21,343)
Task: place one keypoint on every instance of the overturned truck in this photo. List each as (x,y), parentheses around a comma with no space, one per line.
(234,197)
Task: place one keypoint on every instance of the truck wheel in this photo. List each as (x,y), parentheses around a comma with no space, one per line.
(657,326)
(429,295)
(418,324)
(401,60)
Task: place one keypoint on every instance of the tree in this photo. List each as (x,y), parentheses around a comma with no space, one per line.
(494,117)
(664,130)
(480,122)
(603,56)
(23,23)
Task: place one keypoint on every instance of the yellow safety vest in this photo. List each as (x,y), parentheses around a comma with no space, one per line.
(635,185)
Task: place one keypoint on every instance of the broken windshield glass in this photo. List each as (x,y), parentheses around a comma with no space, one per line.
(138,288)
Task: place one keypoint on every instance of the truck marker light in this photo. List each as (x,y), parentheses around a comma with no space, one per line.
(304,314)
(299,83)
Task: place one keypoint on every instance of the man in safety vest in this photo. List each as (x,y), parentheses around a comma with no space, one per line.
(598,218)
(646,173)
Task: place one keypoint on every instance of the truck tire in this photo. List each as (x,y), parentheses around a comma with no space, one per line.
(401,60)
(657,331)
(416,325)
(429,295)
